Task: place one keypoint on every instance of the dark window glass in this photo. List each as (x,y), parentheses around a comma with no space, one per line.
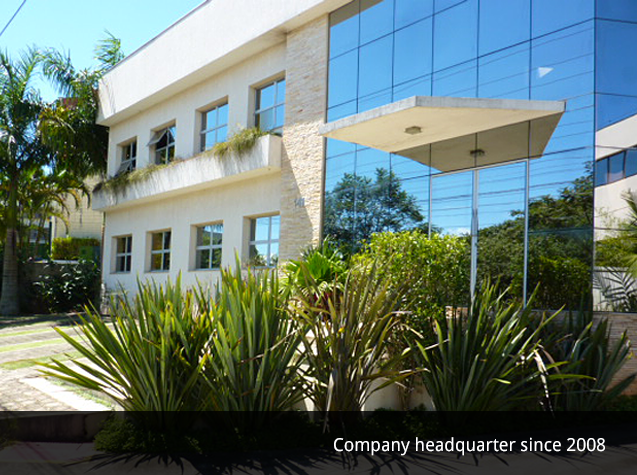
(625,10)
(375,68)
(409,11)
(412,51)
(455,35)
(343,81)
(562,64)
(377,19)
(551,15)
(344,24)
(631,162)
(505,74)
(601,172)
(616,167)
(504,23)
(616,67)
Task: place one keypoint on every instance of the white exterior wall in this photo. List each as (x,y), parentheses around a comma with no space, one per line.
(235,84)
(232,204)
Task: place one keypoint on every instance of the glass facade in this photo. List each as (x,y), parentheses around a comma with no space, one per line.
(528,220)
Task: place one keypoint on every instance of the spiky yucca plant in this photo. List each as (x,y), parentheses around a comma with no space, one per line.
(149,358)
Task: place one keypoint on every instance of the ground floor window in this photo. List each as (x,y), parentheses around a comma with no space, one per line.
(264,241)
(208,251)
(123,253)
(160,251)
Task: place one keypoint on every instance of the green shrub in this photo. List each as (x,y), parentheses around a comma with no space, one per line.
(348,342)
(68,248)
(253,364)
(71,288)
(240,142)
(149,359)
(489,360)
(586,346)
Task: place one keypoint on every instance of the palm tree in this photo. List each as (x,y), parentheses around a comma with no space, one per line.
(60,138)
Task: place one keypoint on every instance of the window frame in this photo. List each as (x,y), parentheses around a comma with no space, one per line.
(127,255)
(207,130)
(158,135)
(258,111)
(211,248)
(127,165)
(161,252)
(255,242)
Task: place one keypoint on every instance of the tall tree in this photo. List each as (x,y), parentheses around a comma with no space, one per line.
(61,138)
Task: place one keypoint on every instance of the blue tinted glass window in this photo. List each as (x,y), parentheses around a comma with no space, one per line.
(377,99)
(459,81)
(611,109)
(377,19)
(562,64)
(601,172)
(504,23)
(549,16)
(616,67)
(444,4)
(417,87)
(616,167)
(369,160)
(344,110)
(505,74)
(375,66)
(343,78)
(631,162)
(625,10)
(455,35)
(409,11)
(412,51)
(344,25)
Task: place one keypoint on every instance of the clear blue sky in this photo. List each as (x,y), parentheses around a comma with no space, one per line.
(75,26)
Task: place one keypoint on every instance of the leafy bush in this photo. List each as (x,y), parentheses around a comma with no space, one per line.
(240,142)
(489,360)
(253,364)
(68,248)
(71,288)
(347,345)
(563,282)
(149,359)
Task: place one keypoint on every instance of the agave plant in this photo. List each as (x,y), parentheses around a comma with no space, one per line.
(488,360)
(149,358)
(253,360)
(347,340)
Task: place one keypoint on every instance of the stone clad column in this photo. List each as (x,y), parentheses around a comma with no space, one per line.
(302,164)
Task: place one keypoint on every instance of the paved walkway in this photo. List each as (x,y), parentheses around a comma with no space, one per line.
(25,342)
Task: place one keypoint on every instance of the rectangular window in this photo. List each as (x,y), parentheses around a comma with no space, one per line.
(214,126)
(123,253)
(601,172)
(160,251)
(264,241)
(163,145)
(270,107)
(128,157)
(209,240)
(616,167)
(631,162)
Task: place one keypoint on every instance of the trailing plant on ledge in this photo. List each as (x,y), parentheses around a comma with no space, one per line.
(240,142)
(117,183)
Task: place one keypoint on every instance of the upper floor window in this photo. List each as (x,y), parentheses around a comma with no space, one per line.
(214,126)
(123,253)
(160,251)
(163,143)
(270,107)
(209,241)
(128,160)
(264,241)
(616,167)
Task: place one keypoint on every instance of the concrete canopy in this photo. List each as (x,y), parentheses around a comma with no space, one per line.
(445,132)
